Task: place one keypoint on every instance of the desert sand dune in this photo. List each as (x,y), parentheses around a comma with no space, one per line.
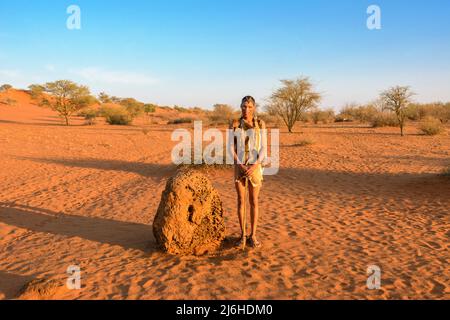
(87,196)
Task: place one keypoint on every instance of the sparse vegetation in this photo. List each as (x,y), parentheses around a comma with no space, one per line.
(384,119)
(324,116)
(89,114)
(431,126)
(36,91)
(65,97)
(270,120)
(116,115)
(149,108)
(5,87)
(292,100)
(8,102)
(362,114)
(134,107)
(438,110)
(221,114)
(181,109)
(397,99)
(180,121)
(104,98)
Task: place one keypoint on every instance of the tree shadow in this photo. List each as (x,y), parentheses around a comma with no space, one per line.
(36,124)
(153,170)
(128,235)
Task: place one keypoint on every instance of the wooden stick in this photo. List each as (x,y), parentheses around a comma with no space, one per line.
(244,218)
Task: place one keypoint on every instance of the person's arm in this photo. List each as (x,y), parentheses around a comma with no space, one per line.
(232,148)
(263,151)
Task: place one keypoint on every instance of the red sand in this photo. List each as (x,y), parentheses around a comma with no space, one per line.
(87,195)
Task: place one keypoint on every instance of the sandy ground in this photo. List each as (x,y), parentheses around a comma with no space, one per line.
(87,196)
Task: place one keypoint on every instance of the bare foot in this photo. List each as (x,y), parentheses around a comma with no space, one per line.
(254,243)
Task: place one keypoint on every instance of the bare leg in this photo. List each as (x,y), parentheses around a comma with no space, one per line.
(254,209)
(240,189)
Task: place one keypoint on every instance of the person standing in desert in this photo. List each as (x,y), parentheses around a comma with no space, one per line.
(249,149)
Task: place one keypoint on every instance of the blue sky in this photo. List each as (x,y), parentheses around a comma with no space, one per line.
(201,52)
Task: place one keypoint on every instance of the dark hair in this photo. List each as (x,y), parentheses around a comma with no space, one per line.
(248,99)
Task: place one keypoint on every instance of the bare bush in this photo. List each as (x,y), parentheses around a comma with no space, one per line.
(431,126)
(221,114)
(384,119)
(324,116)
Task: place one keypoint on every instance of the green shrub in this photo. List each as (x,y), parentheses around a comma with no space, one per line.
(149,108)
(430,126)
(89,114)
(134,107)
(116,115)
(36,91)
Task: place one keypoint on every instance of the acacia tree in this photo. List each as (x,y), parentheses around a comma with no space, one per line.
(5,87)
(65,97)
(104,98)
(396,99)
(292,100)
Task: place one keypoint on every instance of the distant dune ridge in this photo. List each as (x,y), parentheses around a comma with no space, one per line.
(349,198)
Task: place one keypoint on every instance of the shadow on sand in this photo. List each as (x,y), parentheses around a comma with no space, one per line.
(10,284)
(125,234)
(128,235)
(152,170)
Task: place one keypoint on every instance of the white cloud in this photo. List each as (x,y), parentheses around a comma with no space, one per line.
(93,74)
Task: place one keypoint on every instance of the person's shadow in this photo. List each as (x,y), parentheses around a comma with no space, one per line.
(128,235)
(10,282)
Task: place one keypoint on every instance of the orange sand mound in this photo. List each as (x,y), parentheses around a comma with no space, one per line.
(86,196)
